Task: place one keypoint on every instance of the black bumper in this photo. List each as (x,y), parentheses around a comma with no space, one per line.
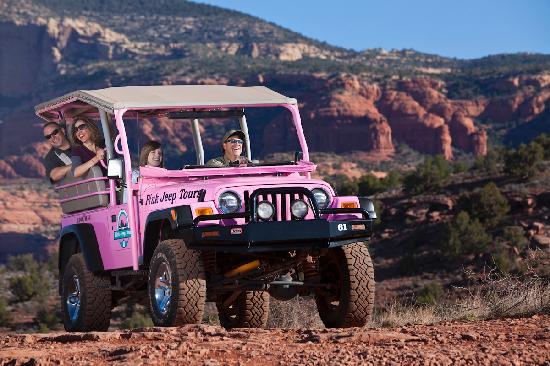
(278,236)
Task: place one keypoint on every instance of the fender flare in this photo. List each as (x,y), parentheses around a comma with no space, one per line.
(153,226)
(86,243)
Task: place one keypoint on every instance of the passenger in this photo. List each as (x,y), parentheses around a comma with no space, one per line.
(151,155)
(57,161)
(88,149)
(232,148)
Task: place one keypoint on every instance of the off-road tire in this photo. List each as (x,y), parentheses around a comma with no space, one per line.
(349,270)
(249,310)
(94,313)
(188,284)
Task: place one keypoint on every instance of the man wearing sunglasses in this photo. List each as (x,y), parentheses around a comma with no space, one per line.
(58,160)
(232,148)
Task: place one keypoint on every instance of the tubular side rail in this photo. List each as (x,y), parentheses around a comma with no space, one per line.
(83,196)
(88,192)
(83,181)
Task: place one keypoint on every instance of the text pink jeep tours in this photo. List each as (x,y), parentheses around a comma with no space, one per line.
(176,238)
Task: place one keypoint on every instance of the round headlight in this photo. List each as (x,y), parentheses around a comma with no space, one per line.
(321,197)
(229,202)
(265,210)
(299,209)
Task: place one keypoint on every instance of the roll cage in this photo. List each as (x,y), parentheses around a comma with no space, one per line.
(192,102)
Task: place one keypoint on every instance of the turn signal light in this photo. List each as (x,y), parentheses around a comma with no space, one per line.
(349,205)
(201,211)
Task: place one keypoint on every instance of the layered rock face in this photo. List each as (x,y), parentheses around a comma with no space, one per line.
(340,112)
(345,113)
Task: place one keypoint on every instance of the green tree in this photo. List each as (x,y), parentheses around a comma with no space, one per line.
(432,174)
(465,236)
(525,162)
(488,205)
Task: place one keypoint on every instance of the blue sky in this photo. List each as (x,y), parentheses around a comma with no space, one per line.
(459,28)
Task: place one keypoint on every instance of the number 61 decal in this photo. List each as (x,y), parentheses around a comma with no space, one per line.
(342,227)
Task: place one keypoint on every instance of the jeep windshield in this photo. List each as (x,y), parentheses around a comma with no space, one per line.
(198,139)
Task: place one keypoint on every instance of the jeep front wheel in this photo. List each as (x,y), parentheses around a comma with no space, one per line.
(177,285)
(348,298)
(85,298)
(247,309)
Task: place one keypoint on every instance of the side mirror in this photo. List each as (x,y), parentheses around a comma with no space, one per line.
(114,169)
(367,205)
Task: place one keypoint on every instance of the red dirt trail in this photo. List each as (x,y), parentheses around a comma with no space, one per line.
(524,341)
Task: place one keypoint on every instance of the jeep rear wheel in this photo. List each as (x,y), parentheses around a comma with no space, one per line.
(248,309)
(85,298)
(348,299)
(177,285)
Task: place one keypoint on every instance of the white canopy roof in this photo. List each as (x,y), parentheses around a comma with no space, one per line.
(162,97)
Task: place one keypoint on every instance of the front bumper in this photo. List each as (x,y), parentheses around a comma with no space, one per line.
(278,235)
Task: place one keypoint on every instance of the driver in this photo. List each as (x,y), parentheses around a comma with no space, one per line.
(232,147)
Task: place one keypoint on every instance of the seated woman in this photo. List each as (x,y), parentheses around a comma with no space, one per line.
(151,155)
(232,148)
(88,147)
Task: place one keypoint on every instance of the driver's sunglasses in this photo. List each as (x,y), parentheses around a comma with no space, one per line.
(54,132)
(235,141)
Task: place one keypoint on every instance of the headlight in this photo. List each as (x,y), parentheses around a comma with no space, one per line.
(229,202)
(299,209)
(265,210)
(321,197)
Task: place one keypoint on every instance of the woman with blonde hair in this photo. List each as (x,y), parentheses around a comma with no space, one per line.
(88,147)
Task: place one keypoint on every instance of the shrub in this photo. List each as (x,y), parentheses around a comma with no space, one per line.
(23,263)
(47,319)
(22,288)
(525,162)
(487,205)
(502,259)
(490,163)
(544,141)
(5,316)
(368,184)
(136,317)
(342,184)
(459,167)
(430,294)
(432,174)
(465,236)
(28,286)
(514,236)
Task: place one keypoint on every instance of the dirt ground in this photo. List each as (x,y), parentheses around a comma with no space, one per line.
(496,342)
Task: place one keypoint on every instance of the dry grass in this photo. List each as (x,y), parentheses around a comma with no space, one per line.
(300,312)
(494,296)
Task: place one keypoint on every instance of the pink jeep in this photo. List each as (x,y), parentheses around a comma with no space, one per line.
(174,238)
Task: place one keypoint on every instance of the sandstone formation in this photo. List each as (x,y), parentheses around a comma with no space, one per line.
(341,112)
